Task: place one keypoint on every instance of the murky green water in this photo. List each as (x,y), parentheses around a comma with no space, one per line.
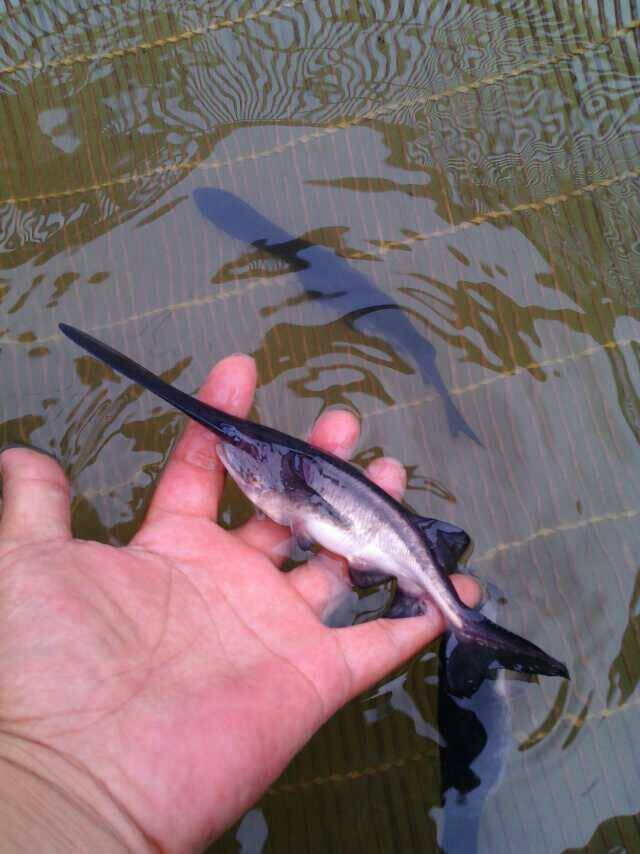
(479,162)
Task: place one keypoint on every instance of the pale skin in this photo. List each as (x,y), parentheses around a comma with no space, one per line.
(150,694)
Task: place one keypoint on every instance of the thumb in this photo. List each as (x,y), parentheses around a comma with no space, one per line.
(35,497)
(372,650)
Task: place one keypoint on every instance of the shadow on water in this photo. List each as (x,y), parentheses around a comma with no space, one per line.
(475,164)
(329,279)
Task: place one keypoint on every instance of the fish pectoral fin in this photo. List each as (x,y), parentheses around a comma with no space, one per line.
(352,607)
(405,605)
(301,535)
(367,576)
(299,474)
(446,541)
(341,610)
(367,600)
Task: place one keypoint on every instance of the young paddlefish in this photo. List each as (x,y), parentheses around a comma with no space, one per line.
(327,501)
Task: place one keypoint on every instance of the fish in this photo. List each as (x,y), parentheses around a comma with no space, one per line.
(327,501)
(335,284)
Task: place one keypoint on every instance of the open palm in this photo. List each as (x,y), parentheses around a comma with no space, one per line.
(175,678)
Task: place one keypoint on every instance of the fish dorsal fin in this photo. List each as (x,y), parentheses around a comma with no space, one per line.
(287,251)
(447,542)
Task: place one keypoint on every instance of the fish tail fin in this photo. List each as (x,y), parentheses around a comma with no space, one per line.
(425,356)
(482,644)
(457,424)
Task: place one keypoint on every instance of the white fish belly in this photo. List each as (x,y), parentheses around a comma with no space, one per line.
(345,542)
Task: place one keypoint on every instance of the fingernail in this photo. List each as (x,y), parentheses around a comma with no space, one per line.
(482,593)
(14,445)
(227,391)
(377,467)
(388,473)
(344,432)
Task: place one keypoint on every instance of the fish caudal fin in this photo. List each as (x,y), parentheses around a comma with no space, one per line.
(457,424)
(482,644)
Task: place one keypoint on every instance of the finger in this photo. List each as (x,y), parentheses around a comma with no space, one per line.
(323,583)
(336,431)
(35,497)
(192,482)
(389,474)
(372,650)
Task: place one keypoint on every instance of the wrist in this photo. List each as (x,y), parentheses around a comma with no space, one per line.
(49,802)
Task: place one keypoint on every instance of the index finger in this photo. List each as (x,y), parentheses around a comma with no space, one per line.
(192,482)
(35,496)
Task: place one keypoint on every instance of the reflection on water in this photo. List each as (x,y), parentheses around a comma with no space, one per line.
(477,736)
(478,165)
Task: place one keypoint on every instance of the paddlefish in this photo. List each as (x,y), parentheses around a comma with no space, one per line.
(327,501)
(334,282)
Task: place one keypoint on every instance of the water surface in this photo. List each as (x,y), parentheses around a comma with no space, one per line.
(479,163)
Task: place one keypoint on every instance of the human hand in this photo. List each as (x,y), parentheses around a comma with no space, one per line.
(149,694)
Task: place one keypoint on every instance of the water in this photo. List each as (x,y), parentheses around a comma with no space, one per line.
(479,164)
